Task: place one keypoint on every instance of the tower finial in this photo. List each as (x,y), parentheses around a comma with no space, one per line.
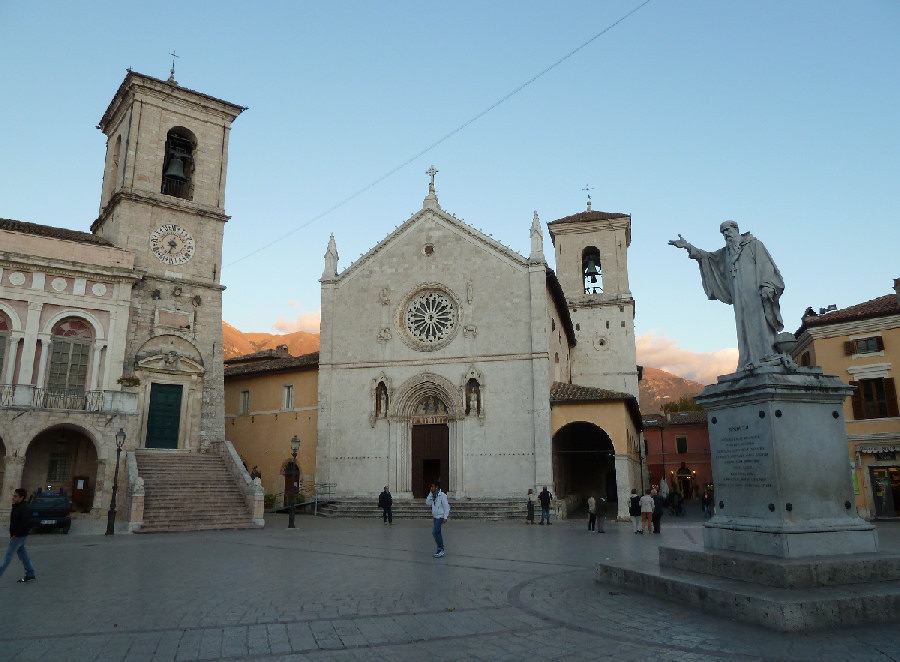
(431,171)
(588,189)
(172,71)
(431,201)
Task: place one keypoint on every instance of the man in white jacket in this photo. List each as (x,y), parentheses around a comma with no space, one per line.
(440,511)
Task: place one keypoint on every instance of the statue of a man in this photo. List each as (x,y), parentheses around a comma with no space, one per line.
(743,274)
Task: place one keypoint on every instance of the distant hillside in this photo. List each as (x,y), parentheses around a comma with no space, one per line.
(658,387)
(238,343)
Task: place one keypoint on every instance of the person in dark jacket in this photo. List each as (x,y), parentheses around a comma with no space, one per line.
(385,502)
(19,524)
(545,498)
(658,504)
(707,502)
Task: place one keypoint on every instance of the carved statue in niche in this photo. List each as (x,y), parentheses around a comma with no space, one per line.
(473,397)
(381,400)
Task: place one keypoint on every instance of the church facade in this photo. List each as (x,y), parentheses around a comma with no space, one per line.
(446,356)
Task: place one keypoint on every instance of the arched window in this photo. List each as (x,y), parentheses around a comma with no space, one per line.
(70,353)
(178,164)
(4,341)
(590,268)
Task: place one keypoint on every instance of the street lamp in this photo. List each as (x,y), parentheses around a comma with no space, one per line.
(295,446)
(111,518)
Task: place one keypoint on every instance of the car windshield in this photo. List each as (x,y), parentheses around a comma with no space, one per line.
(49,501)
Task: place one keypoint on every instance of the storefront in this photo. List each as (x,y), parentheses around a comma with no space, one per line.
(876,480)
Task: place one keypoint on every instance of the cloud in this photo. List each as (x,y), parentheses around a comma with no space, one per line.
(293,304)
(664,353)
(308,322)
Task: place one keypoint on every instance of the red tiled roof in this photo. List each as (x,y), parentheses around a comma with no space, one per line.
(588,216)
(262,355)
(52,232)
(573,393)
(886,305)
(676,418)
(305,362)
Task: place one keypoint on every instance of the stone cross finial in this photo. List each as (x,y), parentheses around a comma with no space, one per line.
(588,188)
(432,171)
(331,259)
(172,71)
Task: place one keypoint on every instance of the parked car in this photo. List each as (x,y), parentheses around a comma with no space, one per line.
(50,510)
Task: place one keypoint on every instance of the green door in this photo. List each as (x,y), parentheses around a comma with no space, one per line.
(164,416)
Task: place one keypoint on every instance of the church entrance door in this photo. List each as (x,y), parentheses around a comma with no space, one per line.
(164,417)
(430,458)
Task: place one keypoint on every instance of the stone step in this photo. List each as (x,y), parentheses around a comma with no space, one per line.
(189,492)
(488,509)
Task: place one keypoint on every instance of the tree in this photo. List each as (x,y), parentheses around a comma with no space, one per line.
(684,403)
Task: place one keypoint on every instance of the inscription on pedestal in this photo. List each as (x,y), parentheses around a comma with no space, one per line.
(744,459)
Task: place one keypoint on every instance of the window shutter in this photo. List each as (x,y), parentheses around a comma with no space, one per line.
(859,410)
(890,394)
(879,343)
(849,348)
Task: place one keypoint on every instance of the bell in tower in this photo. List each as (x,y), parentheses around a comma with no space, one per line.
(590,264)
(177,166)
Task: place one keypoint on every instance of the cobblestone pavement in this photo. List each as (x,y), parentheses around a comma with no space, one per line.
(358,590)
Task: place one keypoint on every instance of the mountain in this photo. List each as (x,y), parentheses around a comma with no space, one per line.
(238,343)
(658,387)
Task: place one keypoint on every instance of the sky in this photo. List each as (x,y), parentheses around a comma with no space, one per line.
(780,115)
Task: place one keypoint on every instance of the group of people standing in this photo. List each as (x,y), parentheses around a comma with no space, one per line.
(646,511)
(544,498)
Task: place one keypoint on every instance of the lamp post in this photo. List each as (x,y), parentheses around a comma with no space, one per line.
(111,518)
(295,446)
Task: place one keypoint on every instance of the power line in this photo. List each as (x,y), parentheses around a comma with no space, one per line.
(442,139)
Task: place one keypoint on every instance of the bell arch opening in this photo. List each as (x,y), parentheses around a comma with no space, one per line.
(584,462)
(178,164)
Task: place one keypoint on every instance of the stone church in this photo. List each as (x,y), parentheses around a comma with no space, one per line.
(119,330)
(447,356)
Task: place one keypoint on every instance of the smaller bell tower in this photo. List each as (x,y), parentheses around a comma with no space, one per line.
(592,266)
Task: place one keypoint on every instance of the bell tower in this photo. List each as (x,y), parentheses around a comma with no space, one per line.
(163,199)
(592,266)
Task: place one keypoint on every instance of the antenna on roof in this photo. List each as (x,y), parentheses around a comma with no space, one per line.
(588,189)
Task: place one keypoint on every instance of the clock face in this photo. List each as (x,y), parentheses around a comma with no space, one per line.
(172,244)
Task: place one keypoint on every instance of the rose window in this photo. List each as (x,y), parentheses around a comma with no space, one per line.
(431,318)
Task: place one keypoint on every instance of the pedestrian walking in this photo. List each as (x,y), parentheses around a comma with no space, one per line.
(658,504)
(386,502)
(601,513)
(19,524)
(440,511)
(647,512)
(706,501)
(634,511)
(545,498)
(592,513)
(529,508)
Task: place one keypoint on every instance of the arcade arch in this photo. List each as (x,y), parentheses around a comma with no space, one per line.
(584,462)
(63,457)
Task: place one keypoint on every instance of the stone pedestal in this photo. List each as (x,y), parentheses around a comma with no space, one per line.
(779,458)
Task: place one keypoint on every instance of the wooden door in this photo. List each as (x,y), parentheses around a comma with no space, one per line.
(164,416)
(430,458)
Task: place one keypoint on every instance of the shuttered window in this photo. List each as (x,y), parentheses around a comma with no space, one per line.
(875,398)
(68,365)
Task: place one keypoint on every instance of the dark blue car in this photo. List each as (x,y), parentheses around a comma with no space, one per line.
(50,510)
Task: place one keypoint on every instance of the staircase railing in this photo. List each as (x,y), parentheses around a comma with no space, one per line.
(254,494)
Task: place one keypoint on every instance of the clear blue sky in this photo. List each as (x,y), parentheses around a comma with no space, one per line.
(780,115)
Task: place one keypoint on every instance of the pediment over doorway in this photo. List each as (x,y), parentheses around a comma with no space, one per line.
(169,353)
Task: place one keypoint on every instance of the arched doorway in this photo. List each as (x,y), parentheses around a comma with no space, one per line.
(584,461)
(62,458)
(429,446)
(684,482)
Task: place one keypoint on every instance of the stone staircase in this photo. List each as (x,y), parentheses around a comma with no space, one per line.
(483,509)
(189,492)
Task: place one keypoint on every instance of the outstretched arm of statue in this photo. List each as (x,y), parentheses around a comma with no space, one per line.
(681,242)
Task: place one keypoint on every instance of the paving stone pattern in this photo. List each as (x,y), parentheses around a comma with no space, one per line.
(358,590)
